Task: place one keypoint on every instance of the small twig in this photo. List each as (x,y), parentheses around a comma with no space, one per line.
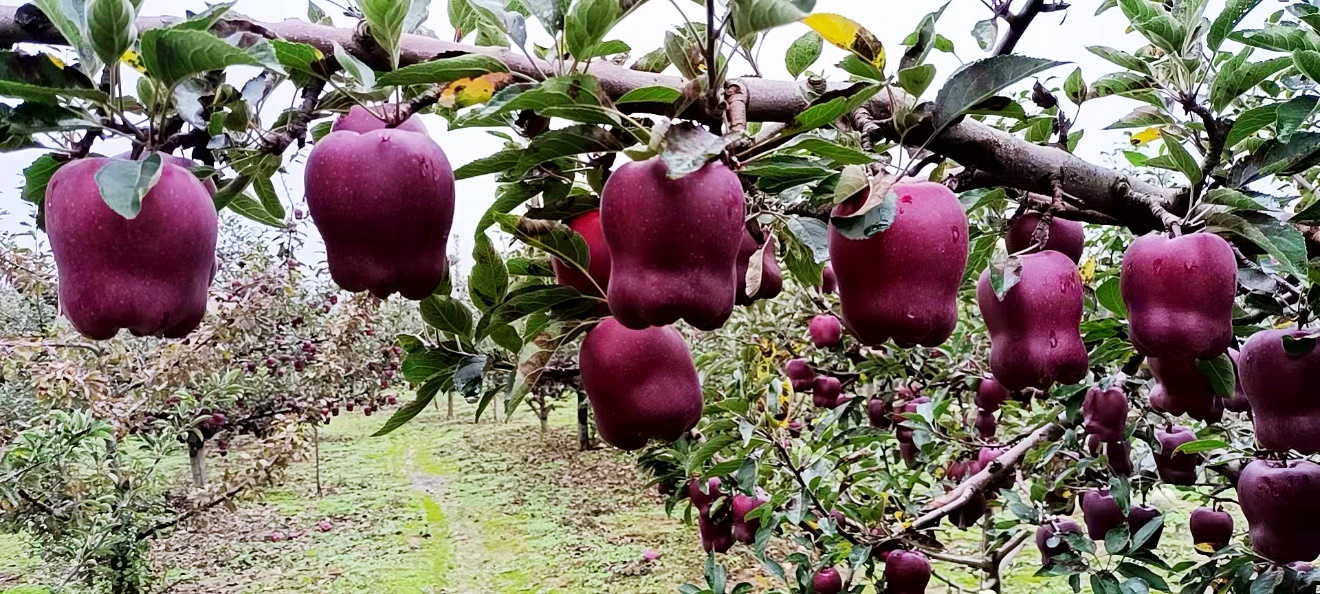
(1018,23)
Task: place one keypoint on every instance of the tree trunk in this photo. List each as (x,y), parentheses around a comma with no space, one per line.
(316,447)
(197,464)
(584,422)
(544,415)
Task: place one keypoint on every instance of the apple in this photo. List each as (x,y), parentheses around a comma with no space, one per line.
(149,274)
(642,384)
(1052,531)
(587,225)
(902,283)
(716,534)
(1035,336)
(744,530)
(1175,468)
(825,391)
(801,374)
(1211,529)
(827,581)
(673,244)
(1179,294)
(825,331)
(906,572)
(990,394)
(383,200)
(1281,501)
(1105,413)
(877,412)
(1281,388)
(829,282)
(1066,237)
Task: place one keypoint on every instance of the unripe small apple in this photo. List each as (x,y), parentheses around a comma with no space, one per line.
(906,572)
(1105,413)
(1211,530)
(800,372)
(825,391)
(1052,531)
(826,331)
(827,581)
(1176,468)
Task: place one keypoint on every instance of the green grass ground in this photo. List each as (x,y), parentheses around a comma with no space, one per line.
(455,507)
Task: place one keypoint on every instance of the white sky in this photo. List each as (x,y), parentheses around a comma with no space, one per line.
(1059,36)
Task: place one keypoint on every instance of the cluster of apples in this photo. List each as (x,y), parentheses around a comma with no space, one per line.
(382,198)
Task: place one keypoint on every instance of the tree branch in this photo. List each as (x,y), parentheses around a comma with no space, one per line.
(1018,23)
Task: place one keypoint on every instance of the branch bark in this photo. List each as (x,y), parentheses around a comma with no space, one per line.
(1016,163)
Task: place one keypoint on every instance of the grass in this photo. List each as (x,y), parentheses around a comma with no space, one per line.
(455,507)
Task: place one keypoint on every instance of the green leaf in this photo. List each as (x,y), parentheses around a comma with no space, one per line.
(986,32)
(841,155)
(656,94)
(38,77)
(1181,158)
(270,201)
(1005,272)
(1146,532)
(1249,122)
(1220,372)
(355,68)
(488,282)
(1074,87)
(497,163)
(1123,84)
(1156,25)
(753,16)
(1142,117)
(1233,13)
(814,234)
(446,314)
(574,97)
(573,140)
(467,378)
(1111,298)
(1235,199)
(921,40)
(861,68)
(1132,570)
(70,19)
(1267,581)
(551,237)
(1291,115)
(875,216)
(420,367)
(442,70)
(528,301)
(37,176)
(171,55)
(917,79)
(1237,76)
(1308,62)
(315,15)
(977,81)
(248,208)
(385,22)
(112,28)
(1279,38)
(1279,239)
(124,182)
(587,23)
(1120,58)
(825,113)
(425,395)
(1301,152)
(654,62)
(687,147)
(549,12)
(1201,446)
(803,52)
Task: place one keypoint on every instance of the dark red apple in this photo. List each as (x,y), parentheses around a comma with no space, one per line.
(827,581)
(829,282)
(772,278)
(1211,529)
(985,424)
(825,331)
(1105,413)
(1184,390)
(744,530)
(1053,530)
(1179,295)
(673,243)
(1238,403)
(800,373)
(906,572)
(902,283)
(149,274)
(716,533)
(1035,338)
(1282,391)
(383,200)
(908,451)
(1066,237)
(642,384)
(795,427)
(360,120)
(877,412)
(903,432)
(990,394)
(703,500)
(587,225)
(1175,468)
(825,391)
(1281,501)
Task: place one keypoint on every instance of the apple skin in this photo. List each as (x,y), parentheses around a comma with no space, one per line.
(1184,390)
(1066,237)
(1050,529)
(386,225)
(877,412)
(800,373)
(906,572)
(990,394)
(703,501)
(359,120)
(902,432)
(1118,454)
(149,274)
(674,244)
(1175,469)
(1105,413)
(829,281)
(1035,336)
(772,278)
(825,391)
(826,331)
(716,534)
(744,530)
(986,424)
(1282,391)
(586,224)
(1281,502)
(903,283)
(1179,294)
(908,451)
(1101,514)
(1138,517)
(642,384)
(827,581)
(1239,403)
(1213,529)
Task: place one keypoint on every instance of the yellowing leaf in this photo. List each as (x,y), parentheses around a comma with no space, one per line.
(1205,547)
(845,33)
(1087,270)
(133,60)
(1145,136)
(466,92)
(56,61)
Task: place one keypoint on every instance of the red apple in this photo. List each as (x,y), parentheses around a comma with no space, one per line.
(1179,293)
(1035,336)
(825,331)
(1066,237)
(1281,388)
(1281,501)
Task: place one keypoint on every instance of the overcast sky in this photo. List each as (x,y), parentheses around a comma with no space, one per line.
(1059,36)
